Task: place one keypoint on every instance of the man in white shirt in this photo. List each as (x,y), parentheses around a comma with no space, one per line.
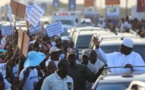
(29,75)
(60,79)
(54,53)
(126,57)
(94,64)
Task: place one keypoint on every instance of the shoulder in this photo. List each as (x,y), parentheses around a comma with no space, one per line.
(69,78)
(50,78)
(133,53)
(81,66)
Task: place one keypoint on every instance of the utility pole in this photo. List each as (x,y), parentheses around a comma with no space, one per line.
(126,7)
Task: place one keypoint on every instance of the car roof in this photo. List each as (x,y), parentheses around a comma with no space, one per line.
(118,41)
(122,77)
(93,32)
(89,28)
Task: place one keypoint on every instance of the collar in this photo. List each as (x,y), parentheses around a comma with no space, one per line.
(58,77)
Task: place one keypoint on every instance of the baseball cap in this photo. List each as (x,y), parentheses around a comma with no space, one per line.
(71,51)
(85,52)
(57,37)
(127,42)
(54,49)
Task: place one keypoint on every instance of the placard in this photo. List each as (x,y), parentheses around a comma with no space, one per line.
(26,41)
(54,29)
(112,2)
(34,15)
(20,38)
(35,30)
(10,14)
(3,69)
(89,3)
(140,5)
(18,9)
(23,42)
(7,30)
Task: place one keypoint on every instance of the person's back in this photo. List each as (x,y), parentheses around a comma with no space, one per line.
(80,74)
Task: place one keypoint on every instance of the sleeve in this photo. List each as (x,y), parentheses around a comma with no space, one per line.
(46,84)
(72,85)
(101,55)
(106,58)
(7,84)
(89,74)
(139,62)
(21,76)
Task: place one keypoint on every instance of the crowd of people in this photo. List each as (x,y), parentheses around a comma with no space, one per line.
(53,63)
(125,25)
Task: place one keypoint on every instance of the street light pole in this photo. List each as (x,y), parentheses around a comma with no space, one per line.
(126,7)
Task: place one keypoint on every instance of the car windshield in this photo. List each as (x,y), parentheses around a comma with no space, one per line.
(88,24)
(137,48)
(112,86)
(66,22)
(83,41)
(65,33)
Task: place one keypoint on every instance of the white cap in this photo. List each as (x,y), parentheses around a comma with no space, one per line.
(127,42)
(53,49)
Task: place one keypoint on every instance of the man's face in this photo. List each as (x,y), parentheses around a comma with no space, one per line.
(85,59)
(55,55)
(93,57)
(65,69)
(72,59)
(125,50)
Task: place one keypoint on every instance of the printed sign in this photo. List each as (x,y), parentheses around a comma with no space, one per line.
(89,3)
(113,14)
(18,9)
(54,29)
(72,4)
(10,14)
(34,15)
(28,10)
(140,5)
(55,3)
(112,2)
(35,30)
(7,30)
(3,69)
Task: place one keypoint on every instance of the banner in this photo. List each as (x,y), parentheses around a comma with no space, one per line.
(112,2)
(140,5)
(72,4)
(54,29)
(7,30)
(55,3)
(113,14)
(35,30)
(89,3)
